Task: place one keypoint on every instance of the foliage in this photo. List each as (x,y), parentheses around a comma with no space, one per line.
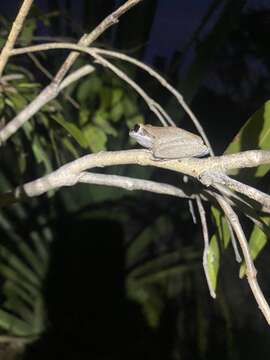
(253,135)
(91,116)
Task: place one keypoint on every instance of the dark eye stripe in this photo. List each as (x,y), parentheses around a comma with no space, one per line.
(136,127)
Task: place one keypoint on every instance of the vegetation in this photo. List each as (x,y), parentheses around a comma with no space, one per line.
(90,268)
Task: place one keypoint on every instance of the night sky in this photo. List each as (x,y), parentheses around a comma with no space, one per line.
(175,20)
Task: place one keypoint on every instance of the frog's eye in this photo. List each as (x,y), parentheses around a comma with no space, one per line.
(136,128)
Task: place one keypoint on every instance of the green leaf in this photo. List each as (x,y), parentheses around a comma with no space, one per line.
(17,264)
(41,155)
(84,116)
(2,104)
(89,88)
(72,129)
(32,258)
(95,137)
(27,32)
(222,236)
(13,275)
(222,227)
(11,289)
(105,98)
(213,261)
(14,325)
(255,134)
(17,306)
(17,101)
(70,147)
(257,242)
(130,107)
(151,301)
(117,112)
(161,227)
(100,119)
(117,95)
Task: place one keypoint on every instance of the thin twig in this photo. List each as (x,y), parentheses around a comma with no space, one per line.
(251,270)
(49,93)
(14,32)
(234,243)
(213,177)
(131,184)
(152,104)
(88,39)
(50,77)
(206,245)
(70,179)
(165,84)
(192,212)
(76,75)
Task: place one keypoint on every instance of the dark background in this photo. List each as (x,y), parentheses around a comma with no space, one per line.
(216,53)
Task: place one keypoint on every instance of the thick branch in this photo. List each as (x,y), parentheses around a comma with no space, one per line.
(68,174)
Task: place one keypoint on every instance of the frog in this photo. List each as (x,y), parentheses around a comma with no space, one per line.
(169,142)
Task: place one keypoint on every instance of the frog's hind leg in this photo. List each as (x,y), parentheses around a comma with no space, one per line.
(178,150)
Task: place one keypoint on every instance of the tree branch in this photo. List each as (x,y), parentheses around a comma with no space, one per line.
(69,174)
(251,270)
(52,90)
(14,32)
(212,178)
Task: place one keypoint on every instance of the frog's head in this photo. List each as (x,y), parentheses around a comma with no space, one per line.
(142,135)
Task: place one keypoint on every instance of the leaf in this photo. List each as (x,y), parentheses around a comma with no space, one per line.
(222,227)
(130,108)
(72,129)
(70,147)
(27,32)
(255,134)
(221,236)
(95,137)
(13,325)
(162,226)
(17,278)
(164,265)
(257,242)
(88,89)
(100,119)
(213,261)
(117,94)
(105,98)
(2,104)
(18,265)
(151,301)
(84,116)
(16,101)
(11,289)
(117,112)
(32,258)
(41,155)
